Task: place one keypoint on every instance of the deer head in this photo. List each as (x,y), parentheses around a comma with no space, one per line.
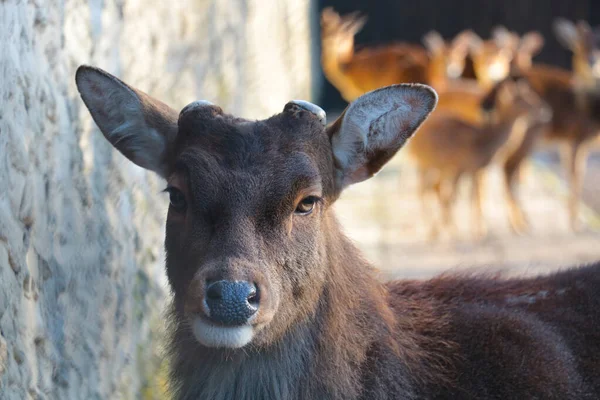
(492,58)
(249,228)
(584,42)
(449,57)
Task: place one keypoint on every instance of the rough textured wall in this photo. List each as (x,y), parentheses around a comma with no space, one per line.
(81,229)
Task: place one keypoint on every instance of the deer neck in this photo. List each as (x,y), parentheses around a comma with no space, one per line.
(582,71)
(333,66)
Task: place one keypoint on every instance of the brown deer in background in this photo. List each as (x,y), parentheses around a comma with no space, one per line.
(492,58)
(488,61)
(525,49)
(354,73)
(575,100)
(449,147)
(272,301)
(471,143)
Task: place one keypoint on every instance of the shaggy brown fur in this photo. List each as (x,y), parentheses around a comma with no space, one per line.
(327,328)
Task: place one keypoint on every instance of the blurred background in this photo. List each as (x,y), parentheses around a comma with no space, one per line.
(386,220)
(384,215)
(82,286)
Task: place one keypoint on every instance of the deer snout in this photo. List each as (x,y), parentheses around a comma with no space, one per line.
(231,303)
(228,307)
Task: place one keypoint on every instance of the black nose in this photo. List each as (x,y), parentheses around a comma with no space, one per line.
(231,302)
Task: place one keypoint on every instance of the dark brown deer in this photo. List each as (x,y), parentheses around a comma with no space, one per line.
(271,301)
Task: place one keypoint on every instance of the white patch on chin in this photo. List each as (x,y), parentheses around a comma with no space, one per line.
(211,335)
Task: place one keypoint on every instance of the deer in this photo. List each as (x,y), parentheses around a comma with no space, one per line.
(460,105)
(575,100)
(525,48)
(450,147)
(489,61)
(271,300)
(354,73)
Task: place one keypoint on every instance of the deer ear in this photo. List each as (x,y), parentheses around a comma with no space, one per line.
(354,22)
(567,34)
(531,43)
(374,127)
(434,42)
(140,127)
(505,39)
(476,44)
(462,42)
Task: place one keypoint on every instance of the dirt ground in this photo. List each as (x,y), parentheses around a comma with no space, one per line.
(384,217)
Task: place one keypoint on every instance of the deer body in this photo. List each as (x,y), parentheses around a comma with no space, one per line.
(370,69)
(271,301)
(450,145)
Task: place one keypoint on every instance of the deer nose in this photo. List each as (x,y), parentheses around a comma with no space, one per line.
(231,302)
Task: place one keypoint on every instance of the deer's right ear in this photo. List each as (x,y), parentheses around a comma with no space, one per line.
(374,127)
(140,127)
(531,43)
(434,42)
(567,34)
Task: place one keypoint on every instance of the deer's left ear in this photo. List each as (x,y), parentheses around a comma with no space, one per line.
(374,127)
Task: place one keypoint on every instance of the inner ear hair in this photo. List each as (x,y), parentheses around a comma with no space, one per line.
(375,126)
(139,126)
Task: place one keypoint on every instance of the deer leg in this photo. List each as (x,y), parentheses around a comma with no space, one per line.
(574,158)
(516,217)
(514,171)
(447,194)
(479,227)
(426,189)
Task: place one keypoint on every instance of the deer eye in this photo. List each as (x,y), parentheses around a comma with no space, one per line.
(176,198)
(306,206)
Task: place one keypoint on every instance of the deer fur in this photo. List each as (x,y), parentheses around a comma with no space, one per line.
(327,327)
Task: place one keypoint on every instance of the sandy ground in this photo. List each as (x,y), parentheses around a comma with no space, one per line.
(383,216)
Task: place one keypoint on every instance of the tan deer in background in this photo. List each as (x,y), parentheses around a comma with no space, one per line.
(449,148)
(354,73)
(488,61)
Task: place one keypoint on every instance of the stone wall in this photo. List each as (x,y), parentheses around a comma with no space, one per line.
(82,285)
